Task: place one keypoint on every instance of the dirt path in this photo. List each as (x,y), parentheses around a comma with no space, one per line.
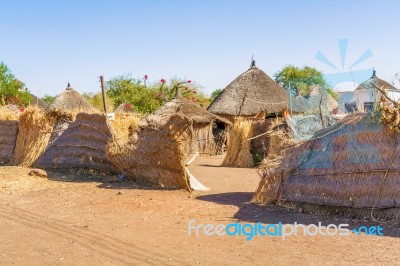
(68,220)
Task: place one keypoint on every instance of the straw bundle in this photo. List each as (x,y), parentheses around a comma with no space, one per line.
(35,128)
(156,153)
(238,145)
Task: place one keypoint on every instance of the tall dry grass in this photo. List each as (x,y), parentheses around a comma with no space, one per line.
(7,114)
(123,130)
(35,128)
(124,126)
(238,146)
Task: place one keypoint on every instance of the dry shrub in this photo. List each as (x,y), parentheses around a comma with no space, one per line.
(35,128)
(124,125)
(390,115)
(7,114)
(238,145)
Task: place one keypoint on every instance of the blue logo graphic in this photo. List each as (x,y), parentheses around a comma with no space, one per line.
(342,76)
(371,230)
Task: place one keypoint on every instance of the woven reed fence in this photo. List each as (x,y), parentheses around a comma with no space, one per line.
(156,153)
(353,164)
(81,145)
(8,138)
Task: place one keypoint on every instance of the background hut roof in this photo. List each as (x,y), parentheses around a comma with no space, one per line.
(36,101)
(250,93)
(311,103)
(195,112)
(72,100)
(374,80)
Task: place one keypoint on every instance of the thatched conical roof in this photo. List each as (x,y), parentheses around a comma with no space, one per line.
(375,81)
(188,108)
(249,94)
(311,103)
(36,101)
(72,100)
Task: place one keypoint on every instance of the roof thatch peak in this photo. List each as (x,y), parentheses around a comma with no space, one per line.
(69,86)
(375,81)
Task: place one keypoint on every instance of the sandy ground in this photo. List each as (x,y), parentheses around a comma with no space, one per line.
(71,220)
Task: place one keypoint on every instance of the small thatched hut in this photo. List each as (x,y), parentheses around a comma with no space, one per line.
(252,94)
(71,100)
(209,129)
(8,138)
(351,167)
(81,146)
(319,101)
(362,99)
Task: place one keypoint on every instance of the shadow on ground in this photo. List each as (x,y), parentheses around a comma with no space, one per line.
(273,214)
(106,181)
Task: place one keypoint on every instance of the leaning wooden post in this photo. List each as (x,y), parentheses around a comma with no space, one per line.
(103,92)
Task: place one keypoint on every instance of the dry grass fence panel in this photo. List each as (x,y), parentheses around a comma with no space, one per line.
(81,146)
(8,138)
(157,154)
(353,164)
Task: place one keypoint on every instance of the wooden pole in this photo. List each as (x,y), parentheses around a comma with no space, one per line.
(103,92)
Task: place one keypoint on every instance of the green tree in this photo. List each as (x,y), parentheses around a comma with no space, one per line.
(127,89)
(146,98)
(302,80)
(215,94)
(96,100)
(11,89)
(48,99)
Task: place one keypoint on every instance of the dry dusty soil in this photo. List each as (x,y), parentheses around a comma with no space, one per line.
(72,220)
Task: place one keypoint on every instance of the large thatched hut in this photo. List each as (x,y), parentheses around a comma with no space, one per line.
(251,94)
(209,130)
(71,100)
(82,145)
(351,167)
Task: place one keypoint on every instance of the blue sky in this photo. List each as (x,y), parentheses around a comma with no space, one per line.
(48,43)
